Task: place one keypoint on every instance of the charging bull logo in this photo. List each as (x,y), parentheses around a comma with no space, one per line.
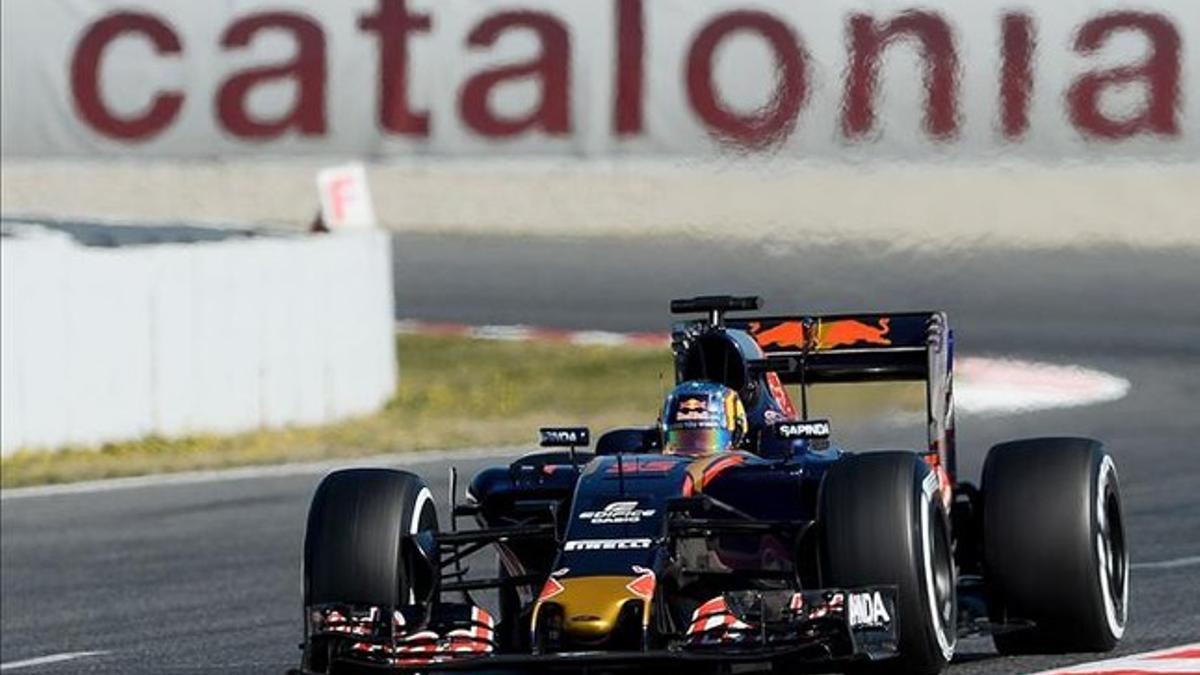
(787,335)
(849,332)
(829,335)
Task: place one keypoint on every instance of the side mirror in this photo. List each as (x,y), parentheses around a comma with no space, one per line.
(565,437)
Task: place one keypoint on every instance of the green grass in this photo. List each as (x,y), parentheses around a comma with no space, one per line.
(454,393)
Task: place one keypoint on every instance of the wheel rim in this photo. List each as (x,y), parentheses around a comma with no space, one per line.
(943,574)
(424,517)
(1112,554)
(939,579)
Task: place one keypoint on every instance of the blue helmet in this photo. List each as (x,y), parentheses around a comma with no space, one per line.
(702,418)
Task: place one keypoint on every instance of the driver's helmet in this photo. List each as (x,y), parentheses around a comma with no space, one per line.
(702,418)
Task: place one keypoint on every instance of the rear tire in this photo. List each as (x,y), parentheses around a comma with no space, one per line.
(352,547)
(1054,545)
(882,524)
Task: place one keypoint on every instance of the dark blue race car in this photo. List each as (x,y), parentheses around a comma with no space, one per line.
(731,533)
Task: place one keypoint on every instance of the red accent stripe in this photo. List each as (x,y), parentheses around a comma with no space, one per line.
(689,486)
(718,468)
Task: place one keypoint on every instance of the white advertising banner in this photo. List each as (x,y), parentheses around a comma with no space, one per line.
(828,79)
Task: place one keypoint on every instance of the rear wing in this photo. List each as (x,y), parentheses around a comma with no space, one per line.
(864,347)
(854,347)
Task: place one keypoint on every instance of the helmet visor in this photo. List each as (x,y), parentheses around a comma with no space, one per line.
(697,442)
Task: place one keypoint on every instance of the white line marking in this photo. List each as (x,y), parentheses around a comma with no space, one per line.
(48,660)
(1158,661)
(1167,564)
(253,472)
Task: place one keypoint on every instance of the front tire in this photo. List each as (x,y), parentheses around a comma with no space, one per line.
(1054,545)
(352,547)
(883,524)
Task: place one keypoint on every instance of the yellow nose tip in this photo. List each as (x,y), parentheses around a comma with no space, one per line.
(593,604)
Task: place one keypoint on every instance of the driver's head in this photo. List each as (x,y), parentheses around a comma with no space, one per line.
(702,418)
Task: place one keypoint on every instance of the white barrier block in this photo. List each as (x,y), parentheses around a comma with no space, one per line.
(234,335)
(107,387)
(34,299)
(172,338)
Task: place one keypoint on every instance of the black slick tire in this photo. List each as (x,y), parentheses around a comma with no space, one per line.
(1055,553)
(353,552)
(883,523)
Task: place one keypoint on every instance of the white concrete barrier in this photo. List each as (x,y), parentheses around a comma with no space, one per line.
(104,344)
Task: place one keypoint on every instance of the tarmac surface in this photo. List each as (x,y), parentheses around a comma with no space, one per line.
(205,577)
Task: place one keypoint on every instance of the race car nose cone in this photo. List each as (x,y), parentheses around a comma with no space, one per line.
(592,605)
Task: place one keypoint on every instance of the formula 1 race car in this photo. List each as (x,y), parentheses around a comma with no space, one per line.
(783,551)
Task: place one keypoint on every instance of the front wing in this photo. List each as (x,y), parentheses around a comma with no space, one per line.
(809,630)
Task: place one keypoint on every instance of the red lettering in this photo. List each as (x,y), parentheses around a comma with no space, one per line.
(867,41)
(1016,73)
(394,24)
(1160,72)
(627,113)
(85,77)
(551,114)
(307,114)
(775,122)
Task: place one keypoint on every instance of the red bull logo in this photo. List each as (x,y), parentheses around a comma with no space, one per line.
(849,332)
(786,335)
(829,334)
